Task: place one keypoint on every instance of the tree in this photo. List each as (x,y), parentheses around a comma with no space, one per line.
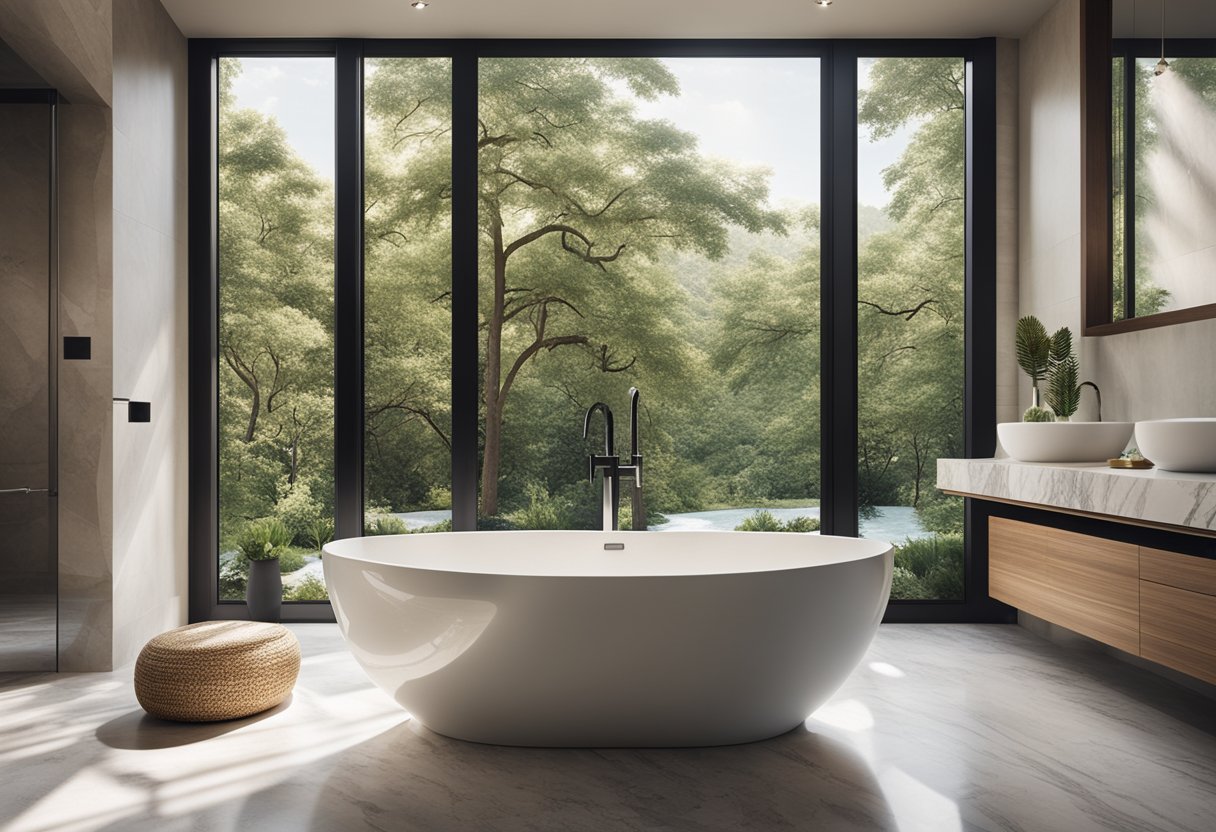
(576,195)
(910,282)
(407,282)
(276,316)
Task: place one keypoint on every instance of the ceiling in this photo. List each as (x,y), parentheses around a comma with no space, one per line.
(1183,18)
(606,18)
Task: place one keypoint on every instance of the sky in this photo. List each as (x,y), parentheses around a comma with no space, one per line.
(753,111)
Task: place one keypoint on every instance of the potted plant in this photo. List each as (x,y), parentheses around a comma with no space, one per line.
(261,544)
(1048,358)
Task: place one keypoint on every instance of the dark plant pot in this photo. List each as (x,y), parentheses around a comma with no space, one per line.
(264,592)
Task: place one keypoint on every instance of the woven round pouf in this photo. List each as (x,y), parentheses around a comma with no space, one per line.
(216,670)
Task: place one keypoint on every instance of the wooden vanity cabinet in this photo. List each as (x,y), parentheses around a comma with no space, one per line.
(1178,612)
(1089,585)
(1151,603)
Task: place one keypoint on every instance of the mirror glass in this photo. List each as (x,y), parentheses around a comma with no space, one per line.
(1163,168)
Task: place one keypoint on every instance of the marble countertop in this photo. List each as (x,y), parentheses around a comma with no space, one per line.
(1152,496)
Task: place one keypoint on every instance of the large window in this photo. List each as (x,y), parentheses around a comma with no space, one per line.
(911,192)
(430,258)
(276,318)
(407,306)
(654,223)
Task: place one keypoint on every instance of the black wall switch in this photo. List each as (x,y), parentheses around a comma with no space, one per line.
(139,411)
(77,348)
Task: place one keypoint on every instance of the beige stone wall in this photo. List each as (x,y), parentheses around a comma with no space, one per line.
(150,563)
(1049,179)
(1006,228)
(85,435)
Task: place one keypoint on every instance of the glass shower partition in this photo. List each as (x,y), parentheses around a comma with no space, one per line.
(28,361)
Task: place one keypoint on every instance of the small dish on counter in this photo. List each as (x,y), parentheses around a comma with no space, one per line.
(1064,441)
(1140,464)
(1185,445)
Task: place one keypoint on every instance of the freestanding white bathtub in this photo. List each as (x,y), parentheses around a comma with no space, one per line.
(596,639)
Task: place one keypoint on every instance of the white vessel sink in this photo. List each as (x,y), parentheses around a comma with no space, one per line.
(1064,441)
(1178,444)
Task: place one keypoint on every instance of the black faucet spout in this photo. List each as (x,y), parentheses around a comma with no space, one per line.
(609,437)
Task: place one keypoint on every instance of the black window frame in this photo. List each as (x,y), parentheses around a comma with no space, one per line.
(838,276)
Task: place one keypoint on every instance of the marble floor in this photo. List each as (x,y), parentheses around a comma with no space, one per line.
(942,728)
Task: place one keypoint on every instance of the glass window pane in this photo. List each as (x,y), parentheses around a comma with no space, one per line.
(910,315)
(1175,208)
(651,223)
(407,290)
(276,277)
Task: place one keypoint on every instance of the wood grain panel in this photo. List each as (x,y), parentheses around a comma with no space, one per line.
(1178,629)
(1182,571)
(1087,584)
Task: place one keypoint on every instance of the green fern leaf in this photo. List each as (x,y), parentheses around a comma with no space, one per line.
(1033,347)
(1061,346)
(1063,393)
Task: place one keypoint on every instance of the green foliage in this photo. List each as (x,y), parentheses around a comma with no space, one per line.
(941,513)
(1033,347)
(765,521)
(802,524)
(1063,392)
(378,524)
(291,560)
(905,586)
(234,577)
(1061,347)
(1038,414)
(442,526)
(495,524)
(543,510)
(264,539)
(320,531)
(311,588)
(297,509)
(929,568)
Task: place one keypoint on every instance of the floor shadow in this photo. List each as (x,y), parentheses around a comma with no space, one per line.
(139,731)
(421,780)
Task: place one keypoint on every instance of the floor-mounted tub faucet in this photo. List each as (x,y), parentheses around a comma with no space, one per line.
(609,463)
(633,470)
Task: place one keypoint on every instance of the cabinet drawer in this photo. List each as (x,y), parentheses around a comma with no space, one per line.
(1178,629)
(1180,571)
(1087,584)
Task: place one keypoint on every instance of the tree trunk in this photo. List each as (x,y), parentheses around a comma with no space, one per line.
(492,457)
(254,409)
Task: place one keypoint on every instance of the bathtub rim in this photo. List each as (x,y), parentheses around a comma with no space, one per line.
(347,549)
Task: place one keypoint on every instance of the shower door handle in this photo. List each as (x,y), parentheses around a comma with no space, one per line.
(25,491)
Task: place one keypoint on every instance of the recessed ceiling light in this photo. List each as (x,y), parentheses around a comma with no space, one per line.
(823,3)
(422,4)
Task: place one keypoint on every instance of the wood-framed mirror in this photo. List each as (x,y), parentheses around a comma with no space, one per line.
(1148,179)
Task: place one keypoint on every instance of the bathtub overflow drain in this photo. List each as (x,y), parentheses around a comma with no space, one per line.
(613,547)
